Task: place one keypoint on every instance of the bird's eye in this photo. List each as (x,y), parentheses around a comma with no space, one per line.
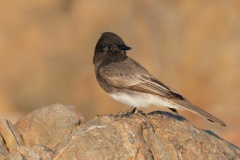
(110,46)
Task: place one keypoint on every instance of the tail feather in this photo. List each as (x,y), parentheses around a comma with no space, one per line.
(188,106)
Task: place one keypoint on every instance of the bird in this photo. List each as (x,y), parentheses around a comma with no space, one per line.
(128,82)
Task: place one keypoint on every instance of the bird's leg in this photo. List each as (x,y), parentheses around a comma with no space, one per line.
(133,110)
(126,111)
(129,111)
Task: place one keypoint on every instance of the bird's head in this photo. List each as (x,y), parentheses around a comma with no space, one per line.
(110,47)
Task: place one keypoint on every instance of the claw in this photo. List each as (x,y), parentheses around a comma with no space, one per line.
(131,110)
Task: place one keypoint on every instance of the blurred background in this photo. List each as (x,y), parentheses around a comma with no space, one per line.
(46,50)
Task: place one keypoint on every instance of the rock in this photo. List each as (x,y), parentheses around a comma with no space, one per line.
(54,132)
(48,126)
(15,156)
(158,135)
(3,147)
(10,135)
(44,152)
(28,153)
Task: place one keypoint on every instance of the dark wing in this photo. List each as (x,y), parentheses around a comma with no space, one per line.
(192,108)
(131,75)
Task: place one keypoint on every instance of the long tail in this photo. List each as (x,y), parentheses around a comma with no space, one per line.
(190,107)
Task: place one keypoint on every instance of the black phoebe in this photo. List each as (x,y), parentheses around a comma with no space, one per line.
(127,81)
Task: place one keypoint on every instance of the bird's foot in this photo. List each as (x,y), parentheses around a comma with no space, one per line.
(141,113)
(131,110)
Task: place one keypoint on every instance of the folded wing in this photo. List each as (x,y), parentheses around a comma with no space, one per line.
(131,75)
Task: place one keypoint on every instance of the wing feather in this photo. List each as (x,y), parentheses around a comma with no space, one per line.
(131,75)
(134,77)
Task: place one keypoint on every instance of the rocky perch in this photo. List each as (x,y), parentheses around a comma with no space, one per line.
(58,132)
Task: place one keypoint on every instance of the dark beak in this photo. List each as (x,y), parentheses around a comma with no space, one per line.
(124,47)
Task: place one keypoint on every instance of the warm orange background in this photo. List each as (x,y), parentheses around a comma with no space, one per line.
(46,50)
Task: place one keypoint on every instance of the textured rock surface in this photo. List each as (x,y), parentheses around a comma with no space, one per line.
(48,126)
(54,132)
(10,135)
(158,135)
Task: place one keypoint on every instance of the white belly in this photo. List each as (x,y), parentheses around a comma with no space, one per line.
(143,100)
